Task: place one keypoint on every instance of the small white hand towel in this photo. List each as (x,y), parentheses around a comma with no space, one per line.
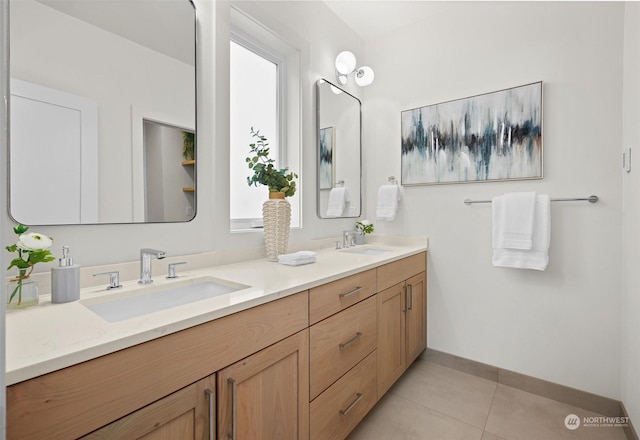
(338,197)
(537,257)
(388,197)
(297,262)
(297,258)
(516,225)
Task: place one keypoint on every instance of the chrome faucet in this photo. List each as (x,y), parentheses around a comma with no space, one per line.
(346,241)
(145,263)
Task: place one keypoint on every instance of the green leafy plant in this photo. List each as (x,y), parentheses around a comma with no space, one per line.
(365,227)
(188,145)
(264,171)
(32,248)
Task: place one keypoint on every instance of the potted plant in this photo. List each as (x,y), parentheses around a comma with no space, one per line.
(265,173)
(364,227)
(276,212)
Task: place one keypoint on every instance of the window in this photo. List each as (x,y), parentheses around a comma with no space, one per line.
(264,94)
(254,103)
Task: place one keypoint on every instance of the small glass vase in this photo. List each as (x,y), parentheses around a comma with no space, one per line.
(22,292)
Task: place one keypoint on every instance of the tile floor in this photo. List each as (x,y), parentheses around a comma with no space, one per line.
(432,402)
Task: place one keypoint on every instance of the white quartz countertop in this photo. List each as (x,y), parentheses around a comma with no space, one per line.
(48,337)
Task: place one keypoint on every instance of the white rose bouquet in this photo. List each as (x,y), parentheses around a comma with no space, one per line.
(32,248)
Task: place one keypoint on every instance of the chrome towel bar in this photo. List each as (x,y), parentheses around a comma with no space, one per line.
(590,199)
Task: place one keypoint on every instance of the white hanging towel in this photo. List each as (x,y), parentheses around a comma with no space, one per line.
(338,197)
(516,225)
(537,257)
(388,197)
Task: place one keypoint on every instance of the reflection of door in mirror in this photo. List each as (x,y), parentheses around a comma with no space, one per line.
(169,176)
(339,152)
(54,156)
(125,56)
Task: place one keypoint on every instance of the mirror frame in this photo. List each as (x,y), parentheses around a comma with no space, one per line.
(318,84)
(195,129)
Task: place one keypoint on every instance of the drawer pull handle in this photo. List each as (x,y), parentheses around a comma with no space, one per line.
(350,341)
(232,434)
(211,397)
(410,305)
(348,294)
(344,412)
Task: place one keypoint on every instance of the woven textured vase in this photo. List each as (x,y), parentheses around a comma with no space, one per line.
(276,214)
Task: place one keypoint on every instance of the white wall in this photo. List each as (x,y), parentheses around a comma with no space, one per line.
(561,325)
(630,384)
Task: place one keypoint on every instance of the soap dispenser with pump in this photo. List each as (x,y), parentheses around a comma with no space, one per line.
(65,279)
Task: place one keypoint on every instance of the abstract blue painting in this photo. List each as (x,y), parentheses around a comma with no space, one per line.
(327,154)
(489,137)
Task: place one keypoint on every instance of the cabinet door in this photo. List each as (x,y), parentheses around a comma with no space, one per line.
(266,396)
(416,316)
(391,336)
(187,414)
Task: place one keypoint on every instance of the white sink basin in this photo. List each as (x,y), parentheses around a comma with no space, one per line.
(366,251)
(127,305)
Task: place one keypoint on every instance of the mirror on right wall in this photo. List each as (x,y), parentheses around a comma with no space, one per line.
(339,152)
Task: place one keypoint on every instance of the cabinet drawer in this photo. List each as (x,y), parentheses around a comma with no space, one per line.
(398,271)
(340,408)
(330,298)
(340,342)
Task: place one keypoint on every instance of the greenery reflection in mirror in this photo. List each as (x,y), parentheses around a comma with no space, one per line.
(102,103)
(339,163)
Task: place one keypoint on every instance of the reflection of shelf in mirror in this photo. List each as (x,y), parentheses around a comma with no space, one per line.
(189,189)
(189,162)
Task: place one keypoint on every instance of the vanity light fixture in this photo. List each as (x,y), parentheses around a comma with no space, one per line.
(346,64)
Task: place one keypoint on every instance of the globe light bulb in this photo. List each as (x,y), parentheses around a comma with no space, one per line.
(345,62)
(364,76)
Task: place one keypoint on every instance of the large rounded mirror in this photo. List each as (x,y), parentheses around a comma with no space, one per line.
(102,111)
(339,163)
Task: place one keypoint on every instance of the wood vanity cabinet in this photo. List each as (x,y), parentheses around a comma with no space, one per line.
(139,382)
(307,366)
(266,396)
(402,317)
